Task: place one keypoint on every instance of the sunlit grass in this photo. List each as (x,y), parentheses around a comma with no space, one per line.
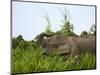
(26,61)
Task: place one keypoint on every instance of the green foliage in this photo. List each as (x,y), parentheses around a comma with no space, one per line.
(48,27)
(66,27)
(84,33)
(92,31)
(22,44)
(17,41)
(30,59)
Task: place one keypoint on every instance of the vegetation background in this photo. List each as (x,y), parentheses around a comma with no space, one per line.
(27,55)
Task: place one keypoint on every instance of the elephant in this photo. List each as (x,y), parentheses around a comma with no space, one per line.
(59,44)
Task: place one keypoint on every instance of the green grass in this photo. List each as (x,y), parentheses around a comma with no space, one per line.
(31,60)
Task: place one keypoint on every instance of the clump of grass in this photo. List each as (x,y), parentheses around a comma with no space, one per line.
(26,61)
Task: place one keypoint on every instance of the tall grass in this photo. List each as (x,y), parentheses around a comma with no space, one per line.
(31,60)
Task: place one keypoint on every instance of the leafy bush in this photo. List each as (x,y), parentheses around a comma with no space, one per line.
(84,33)
(48,26)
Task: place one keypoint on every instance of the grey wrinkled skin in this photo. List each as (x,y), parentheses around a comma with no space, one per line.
(60,44)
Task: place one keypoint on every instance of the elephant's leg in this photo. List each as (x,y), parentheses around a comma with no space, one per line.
(64,51)
(75,54)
